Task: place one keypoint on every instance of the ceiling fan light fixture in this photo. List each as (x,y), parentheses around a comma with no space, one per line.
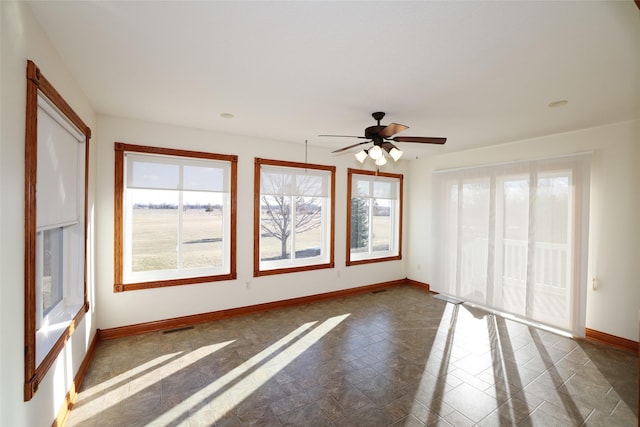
(395,154)
(375,153)
(381,161)
(361,155)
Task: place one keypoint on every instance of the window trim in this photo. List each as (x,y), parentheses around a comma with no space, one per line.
(400,177)
(257,272)
(118,262)
(38,84)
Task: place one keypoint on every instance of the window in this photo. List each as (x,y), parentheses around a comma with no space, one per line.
(508,237)
(374,216)
(293,214)
(56,152)
(175,214)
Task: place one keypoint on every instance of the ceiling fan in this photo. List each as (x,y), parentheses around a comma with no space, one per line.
(380,136)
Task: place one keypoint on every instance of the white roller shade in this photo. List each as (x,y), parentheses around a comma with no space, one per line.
(378,187)
(285,181)
(153,172)
(60,183)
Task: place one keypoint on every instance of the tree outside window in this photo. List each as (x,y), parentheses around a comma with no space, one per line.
(294,213)
(374,216)
(359,224)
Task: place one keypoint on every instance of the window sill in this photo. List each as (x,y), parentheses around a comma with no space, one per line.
(372,260)
(47,335)
(285,270)
(121,287)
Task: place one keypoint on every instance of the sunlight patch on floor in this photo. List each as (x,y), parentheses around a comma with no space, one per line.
(119,386)
(241,382)
(509,379)
(438,360)
(122,380)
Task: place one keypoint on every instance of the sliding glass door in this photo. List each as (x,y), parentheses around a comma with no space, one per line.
(510,237)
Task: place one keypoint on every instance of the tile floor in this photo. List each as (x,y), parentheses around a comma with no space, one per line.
(392,358)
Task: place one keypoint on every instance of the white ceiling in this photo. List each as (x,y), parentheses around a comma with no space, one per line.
(478,73)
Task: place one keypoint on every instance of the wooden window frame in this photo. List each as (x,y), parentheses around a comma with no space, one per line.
(38,84)
(400,177)
(256,217)
(120,149)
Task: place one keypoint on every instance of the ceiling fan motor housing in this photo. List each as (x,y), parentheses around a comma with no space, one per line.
(372,132)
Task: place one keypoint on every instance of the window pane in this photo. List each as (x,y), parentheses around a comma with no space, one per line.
(450,230)
(51,269)
(308,235)
(515,245)
(275,227)
(375,225)
(359,225)
(551,301)
(552,209)
(202,230)
(474,239)
(154,229)
(381,230)
(178,217)
(294,214)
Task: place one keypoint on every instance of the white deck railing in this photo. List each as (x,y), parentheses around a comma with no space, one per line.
(551,290)
(551,263)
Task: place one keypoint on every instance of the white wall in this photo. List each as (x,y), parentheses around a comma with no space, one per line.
(613,251)
(22,39)
(614,230)
(131,307)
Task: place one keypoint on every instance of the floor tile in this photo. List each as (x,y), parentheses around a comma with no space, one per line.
(399,357)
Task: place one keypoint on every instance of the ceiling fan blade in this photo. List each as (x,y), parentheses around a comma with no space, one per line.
(350,146)
(392,129)
(346,136)
(419,139)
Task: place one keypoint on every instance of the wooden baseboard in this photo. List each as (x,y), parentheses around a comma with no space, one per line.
(63,413)
(421,285)
(181,322)
(612,340)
